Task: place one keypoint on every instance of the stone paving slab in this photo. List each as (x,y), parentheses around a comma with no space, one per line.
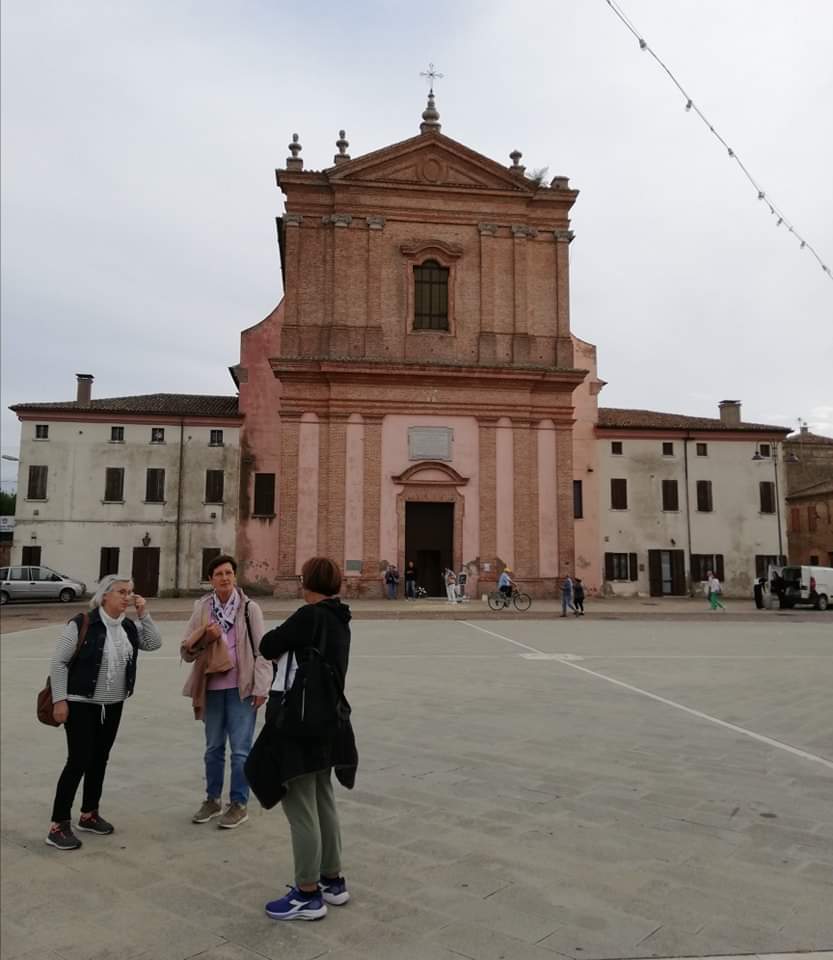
(506,808)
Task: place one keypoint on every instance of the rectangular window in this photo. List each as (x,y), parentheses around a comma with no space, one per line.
(214,480)
(215,438)
(764,449)
(795,520)
(37,483)
(430,296)
(108,561)
(116,434)
(41,431)
(812,518)
(702,449)
(616,448)
(157,434)
(619,494)
(670,497)
(264,495)
(762,563)
(208,554)
(767,488)
(114,484)
(31,555)
(814,560)
(155,485)
(621,566)
(578,501)
(704,496)
(701,563)
(667,449)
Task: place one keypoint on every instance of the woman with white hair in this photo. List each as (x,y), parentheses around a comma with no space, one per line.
(91,679)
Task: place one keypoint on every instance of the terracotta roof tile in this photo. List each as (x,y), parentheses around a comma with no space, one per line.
(814,438)
(169,404)
(614,417)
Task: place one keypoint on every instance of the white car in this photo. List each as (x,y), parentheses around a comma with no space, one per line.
(813,585)
(38,583)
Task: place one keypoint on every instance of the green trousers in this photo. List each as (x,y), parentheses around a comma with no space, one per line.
(310,808)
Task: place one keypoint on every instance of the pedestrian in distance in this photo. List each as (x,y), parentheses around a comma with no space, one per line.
(578,597)
(505,584)
(567,595)
(92,673)
(410,581)
(305,763)
(391,581)
(713,590)
(228,683)
(450,586)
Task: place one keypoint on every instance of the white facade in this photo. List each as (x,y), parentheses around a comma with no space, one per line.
(729,537)
(75,521)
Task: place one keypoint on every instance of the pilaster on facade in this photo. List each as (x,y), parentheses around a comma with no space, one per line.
(372,493)
(287,507)
(564,499)
(525,473)
(487,450)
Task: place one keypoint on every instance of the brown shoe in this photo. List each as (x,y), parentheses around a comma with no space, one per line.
(234,815)
(210,808)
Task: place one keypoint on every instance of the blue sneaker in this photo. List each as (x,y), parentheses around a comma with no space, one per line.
(297,906)
(334,891)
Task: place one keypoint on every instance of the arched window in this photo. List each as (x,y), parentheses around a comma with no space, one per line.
(430,296)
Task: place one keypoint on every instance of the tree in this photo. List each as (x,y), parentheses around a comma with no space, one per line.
(7,504)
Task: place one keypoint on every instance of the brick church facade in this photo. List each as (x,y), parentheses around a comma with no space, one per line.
(411,397)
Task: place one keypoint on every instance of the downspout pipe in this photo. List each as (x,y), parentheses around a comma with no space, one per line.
(179,505)
(688,511)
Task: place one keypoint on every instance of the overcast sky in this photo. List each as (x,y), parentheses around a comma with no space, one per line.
(139,141)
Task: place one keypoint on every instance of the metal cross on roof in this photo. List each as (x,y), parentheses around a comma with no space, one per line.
(431,75)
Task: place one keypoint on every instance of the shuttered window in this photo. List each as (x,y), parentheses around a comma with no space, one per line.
(762,563)
(155,485)
(619,494)
(701,563)
(795,520)
(37,483)
(264,495)
(670,497)
(767,490)
(667,448)
(108,561)
(214,482)
(702,449)
(430,296)
(208,554)
(621,566)
(114,484)
(704,496)
(41,431)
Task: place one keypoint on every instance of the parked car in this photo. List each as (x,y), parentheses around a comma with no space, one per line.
(38,583)
(813,585)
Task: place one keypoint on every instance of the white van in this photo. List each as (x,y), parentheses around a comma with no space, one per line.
(807,585)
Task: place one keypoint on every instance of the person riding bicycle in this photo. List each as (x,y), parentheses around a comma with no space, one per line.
(505,584)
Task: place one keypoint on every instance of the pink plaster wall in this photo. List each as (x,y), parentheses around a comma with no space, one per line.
(547,521)
(257,540)
(586,468)
(354,493)
(466,461)
(505,492)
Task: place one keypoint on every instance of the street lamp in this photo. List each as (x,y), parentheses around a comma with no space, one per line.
(6,456)
(789,458)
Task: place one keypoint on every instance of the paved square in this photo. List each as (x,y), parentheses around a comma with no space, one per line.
(666,790)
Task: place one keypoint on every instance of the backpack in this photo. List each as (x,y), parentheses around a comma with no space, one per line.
(315,705)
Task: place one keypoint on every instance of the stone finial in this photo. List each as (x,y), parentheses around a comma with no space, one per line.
(517,168)
(294,162)
(430,117)
(342,156)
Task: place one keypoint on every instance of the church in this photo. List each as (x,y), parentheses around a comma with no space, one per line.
(412,396)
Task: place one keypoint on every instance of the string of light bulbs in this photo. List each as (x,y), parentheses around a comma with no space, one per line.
(690,106)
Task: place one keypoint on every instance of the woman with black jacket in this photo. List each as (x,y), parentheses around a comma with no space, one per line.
(306,763)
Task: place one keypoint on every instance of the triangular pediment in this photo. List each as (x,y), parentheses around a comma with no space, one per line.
(433,161)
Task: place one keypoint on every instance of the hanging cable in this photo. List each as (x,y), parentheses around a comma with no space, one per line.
(690,105)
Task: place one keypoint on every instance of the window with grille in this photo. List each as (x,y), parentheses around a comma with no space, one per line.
(264,495)
(670,496)
(41,431)
(705,504)
(208,554)
(116,434)
(430,296)
(767,489)
(114,484)
(214,480)
(155,485)
(157,434)
(764,449)
(108,561)
(667,449)
(215,438)
(702,449)
(619,494)
(616,448)
(37,483)
(578,500)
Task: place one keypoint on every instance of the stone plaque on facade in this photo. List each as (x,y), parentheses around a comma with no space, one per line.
(430,443)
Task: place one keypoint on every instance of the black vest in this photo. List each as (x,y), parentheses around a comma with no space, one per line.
(83,673)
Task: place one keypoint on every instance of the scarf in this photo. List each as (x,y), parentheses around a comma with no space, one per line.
(117,649)
(225,614)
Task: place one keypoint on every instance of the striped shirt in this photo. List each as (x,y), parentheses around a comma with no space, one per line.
(149,639)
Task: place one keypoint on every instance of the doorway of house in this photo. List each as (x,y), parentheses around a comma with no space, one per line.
(145,571)
(429,542)
(666,572)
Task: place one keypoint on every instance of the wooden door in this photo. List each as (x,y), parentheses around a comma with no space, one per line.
(655,572)
(678,584)
(145,571)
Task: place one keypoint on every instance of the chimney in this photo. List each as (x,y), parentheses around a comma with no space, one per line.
(805,428)
(85,388)
(730,412)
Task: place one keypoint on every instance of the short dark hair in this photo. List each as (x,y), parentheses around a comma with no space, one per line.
(321,575)
(218,561)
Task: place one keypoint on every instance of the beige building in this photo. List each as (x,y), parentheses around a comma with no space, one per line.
(679,496)
(144,485)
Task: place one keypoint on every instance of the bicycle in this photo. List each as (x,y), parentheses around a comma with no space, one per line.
(500,601)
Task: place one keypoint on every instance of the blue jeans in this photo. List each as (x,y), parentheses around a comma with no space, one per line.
(226,715)
(566,601)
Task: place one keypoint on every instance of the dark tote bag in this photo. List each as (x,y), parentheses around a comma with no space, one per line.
(44,699)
